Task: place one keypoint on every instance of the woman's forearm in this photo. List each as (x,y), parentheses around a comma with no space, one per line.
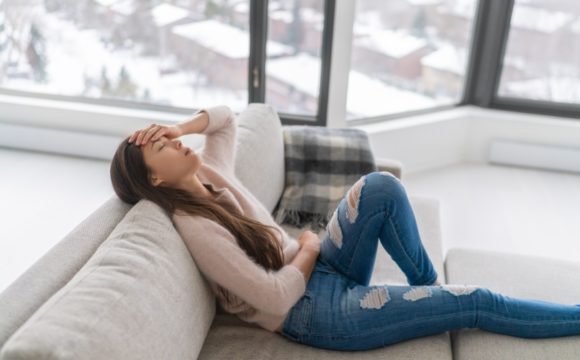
(196,124)
(305,260)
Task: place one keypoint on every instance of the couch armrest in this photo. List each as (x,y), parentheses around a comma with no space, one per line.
(393,166)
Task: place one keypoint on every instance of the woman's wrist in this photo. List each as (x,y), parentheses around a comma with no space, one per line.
(196,124)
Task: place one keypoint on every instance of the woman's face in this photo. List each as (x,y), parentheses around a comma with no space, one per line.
(168,161)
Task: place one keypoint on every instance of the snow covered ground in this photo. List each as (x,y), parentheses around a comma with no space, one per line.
(73,53)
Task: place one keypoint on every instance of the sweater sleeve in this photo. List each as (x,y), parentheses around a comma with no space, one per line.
(219,257)
(220,141)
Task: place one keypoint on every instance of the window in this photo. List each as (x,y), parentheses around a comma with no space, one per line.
(408,55)
(184,53)
(542,52)
(293,65)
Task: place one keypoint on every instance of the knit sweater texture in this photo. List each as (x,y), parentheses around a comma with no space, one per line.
(241,285)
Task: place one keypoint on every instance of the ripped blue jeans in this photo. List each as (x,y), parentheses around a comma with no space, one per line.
(340,311)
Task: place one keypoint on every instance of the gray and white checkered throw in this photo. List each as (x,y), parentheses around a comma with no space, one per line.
(321,165)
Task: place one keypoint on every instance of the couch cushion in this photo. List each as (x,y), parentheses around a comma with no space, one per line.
(260,153)
(231,338)
(139,296)
(516,275)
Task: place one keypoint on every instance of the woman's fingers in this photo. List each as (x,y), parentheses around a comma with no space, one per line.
(133,136)
(141,136)
(136,136)
(150,133)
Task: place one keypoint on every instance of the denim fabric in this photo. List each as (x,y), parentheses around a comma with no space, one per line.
(340,311)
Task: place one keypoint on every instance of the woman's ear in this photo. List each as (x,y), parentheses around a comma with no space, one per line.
(155,181)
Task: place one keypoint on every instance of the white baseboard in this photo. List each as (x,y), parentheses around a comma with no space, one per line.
(536,155)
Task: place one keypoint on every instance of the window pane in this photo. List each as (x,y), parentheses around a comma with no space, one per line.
(184,53)
(408,55)
(542,53)
(293,55)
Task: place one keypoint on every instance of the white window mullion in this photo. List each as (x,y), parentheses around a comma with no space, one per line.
(340,63)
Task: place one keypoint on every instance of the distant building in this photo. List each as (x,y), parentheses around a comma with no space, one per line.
(219,51)
(394,56)
(165,15)
(444,72)
(293,84)
(536,34)
(281,25)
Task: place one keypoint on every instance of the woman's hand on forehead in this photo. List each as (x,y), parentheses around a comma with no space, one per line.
(154,132)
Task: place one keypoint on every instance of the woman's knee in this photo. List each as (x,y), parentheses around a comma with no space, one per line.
(377,182)
(384,183)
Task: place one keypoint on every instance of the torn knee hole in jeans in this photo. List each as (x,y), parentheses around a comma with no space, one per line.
(375,298)
(353,199)
(334,231)
(418,293)
(386,173)
(459,289)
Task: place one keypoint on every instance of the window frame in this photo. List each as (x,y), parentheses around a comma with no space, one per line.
(490,32)
(471,67)
(258,21)
(489,50)
(257,62)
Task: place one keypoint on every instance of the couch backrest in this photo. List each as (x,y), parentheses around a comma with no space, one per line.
(139,296)
(260,153)
(55,268)
(259,166)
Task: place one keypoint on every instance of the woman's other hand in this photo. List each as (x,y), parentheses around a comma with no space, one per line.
(309,240)
(153,132)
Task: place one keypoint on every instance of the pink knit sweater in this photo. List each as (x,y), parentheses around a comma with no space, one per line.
(257,295)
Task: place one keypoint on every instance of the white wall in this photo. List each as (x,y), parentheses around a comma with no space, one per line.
(464,135)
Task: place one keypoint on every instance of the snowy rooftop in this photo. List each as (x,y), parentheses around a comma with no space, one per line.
(523,16)
(106,2)
(366,96)
(395,44)
(307,15)
(562,89)
(242,7)
(527,17)
(225,39)
(423,2)
(367,22)
(164,14)
(463,8)
(301,71)
(124,7)
(447,58)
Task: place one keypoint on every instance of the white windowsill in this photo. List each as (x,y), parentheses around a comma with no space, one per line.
(420,142)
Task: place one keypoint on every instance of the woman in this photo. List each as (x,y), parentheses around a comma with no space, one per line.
(311,291)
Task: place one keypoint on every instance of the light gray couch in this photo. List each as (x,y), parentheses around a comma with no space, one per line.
(121,285)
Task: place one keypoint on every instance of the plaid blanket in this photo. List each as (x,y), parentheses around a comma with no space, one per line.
(321,165)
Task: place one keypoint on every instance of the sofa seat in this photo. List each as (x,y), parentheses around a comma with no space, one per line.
(231,338)
(516,275)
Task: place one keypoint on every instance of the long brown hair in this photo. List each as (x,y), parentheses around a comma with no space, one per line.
(130,174)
